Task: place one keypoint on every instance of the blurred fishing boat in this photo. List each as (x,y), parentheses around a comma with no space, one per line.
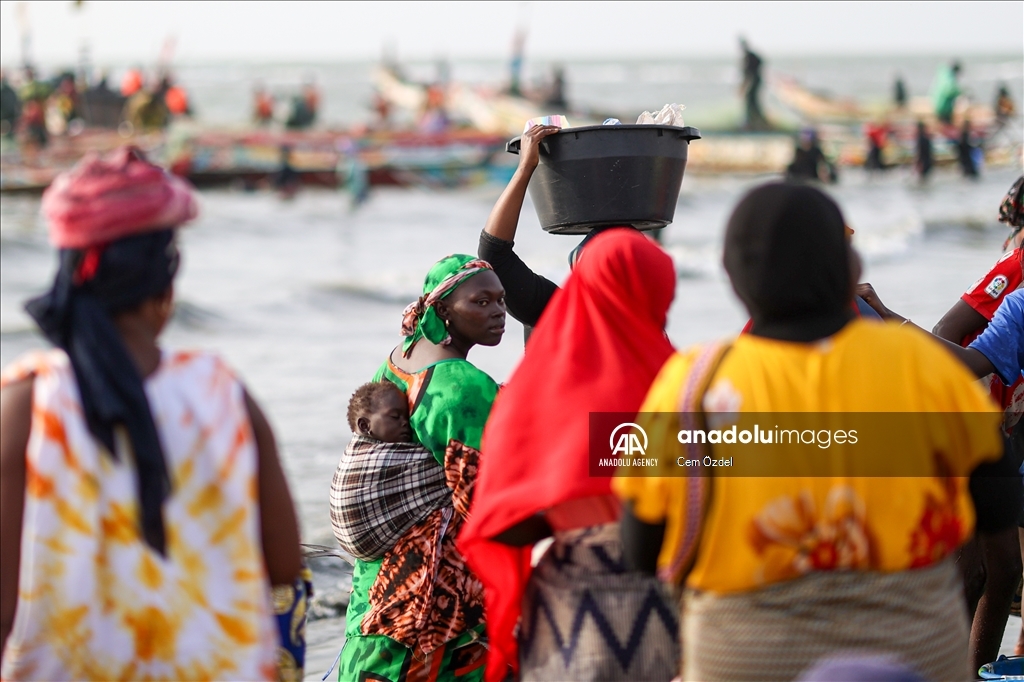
(333,158)
(821,107)
(459,140)
(485,109)
(840,124)
(29,168)
(250,158)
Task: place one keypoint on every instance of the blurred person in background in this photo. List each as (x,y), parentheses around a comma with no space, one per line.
(132,82)
(899,93)
(144,515)
(382,108)
(286,179)
(10,107)
(102,107)
(311,96)
(515,64)
(924,155)
(304,107)
(809,161)
(1004,105)
(434,120)
(175,97)
(1005,110)
(969,152)
(262,106)
(751,65)
(556,93)
(782,570)
(34,94)
(878,136)
(147,109)
(945,90)
(65,101)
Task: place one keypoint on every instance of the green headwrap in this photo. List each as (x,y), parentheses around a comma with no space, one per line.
(420,319)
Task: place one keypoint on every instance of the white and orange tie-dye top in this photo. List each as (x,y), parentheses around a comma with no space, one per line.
(94,600)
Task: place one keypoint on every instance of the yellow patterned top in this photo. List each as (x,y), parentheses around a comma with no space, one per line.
(95,601)
(755,531)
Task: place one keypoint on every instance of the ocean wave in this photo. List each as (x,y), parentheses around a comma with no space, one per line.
(19,331)
(379,291)
(332,584)
(194,317)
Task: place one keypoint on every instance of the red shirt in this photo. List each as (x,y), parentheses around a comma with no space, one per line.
(877,133)
(985,295)
(176,100)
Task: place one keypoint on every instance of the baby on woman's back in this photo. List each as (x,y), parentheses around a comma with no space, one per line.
(379,410)
(385,482)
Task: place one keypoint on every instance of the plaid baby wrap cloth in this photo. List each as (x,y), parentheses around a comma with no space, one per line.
(380,491)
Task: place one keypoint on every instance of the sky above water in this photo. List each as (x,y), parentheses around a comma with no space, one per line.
(116,32)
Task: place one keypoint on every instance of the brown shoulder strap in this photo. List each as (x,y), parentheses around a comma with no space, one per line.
(698,489)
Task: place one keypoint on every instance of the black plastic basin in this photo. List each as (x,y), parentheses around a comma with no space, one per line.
(609,175)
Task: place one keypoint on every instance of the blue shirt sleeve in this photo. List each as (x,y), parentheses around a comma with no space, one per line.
(1002,342)
(865,310)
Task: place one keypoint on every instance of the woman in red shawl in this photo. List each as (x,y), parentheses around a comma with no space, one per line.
(597,348)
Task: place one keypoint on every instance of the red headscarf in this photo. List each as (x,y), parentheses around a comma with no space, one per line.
(105,198)
(597,348)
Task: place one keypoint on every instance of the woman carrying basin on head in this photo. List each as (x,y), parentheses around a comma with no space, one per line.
(528,293)
(144,515)
(867,559)
(417,612)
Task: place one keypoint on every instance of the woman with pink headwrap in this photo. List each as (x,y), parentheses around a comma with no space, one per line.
(144,515)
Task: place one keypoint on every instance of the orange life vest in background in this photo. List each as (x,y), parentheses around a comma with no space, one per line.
(176,100)
(131,83)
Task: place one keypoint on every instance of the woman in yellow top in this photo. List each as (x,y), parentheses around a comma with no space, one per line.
(833,543)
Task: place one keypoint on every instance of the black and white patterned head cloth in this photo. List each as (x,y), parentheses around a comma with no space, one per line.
(380,491)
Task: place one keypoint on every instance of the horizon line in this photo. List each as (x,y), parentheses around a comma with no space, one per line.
(13,61)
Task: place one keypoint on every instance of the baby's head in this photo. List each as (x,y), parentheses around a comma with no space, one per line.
(379,410)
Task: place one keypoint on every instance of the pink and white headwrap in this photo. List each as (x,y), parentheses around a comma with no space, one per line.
(103,199)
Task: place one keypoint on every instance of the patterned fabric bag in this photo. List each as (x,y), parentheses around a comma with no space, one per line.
(424,595)
(291,604)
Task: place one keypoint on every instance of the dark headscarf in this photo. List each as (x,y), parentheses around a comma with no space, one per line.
(788,257)
(574,255)
(91,286)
